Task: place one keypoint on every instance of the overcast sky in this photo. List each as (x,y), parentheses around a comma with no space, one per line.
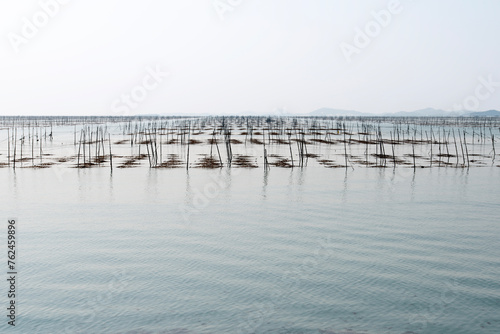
(111,57)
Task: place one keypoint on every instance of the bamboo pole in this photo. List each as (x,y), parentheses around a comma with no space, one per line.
(345,147)
(189,139)
(467,151)
(110,154)
(79,147)
(8,149)
(15,146)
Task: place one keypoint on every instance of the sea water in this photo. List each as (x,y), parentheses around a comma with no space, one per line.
(311,250)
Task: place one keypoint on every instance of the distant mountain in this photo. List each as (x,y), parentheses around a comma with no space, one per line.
(337,112)
(488,113)
(428,112)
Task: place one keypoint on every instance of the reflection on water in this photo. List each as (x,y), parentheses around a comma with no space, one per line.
(264,186)
(310,250)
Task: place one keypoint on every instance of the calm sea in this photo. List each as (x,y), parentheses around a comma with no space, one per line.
(311,250)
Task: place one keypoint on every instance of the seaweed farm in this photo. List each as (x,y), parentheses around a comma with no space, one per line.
(250,167)
(253,225)
(247,142)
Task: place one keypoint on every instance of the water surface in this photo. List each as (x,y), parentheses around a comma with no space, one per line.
(311,250)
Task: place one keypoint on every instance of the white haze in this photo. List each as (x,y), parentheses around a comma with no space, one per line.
(263,57)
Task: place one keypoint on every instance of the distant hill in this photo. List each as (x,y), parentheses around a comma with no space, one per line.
(337,112)
(428,112)
(488,113)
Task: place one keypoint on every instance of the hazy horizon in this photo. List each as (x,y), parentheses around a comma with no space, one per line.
(237,57)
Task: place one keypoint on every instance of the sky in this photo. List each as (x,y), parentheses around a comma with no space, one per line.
(124,57)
